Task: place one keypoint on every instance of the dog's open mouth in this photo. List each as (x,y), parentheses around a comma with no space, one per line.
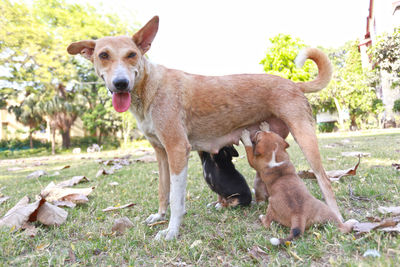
(121,101)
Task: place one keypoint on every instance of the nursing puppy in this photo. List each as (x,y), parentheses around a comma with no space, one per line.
(290,203)
(223,178)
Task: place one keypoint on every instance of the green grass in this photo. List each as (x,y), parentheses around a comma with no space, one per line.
(226,235)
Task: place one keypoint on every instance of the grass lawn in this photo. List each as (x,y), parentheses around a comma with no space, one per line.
(225,236)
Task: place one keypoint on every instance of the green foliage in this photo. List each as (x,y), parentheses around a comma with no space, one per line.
(17,144)
(386,54)
(280,57)
(396,106)
(33,41)
(326,127)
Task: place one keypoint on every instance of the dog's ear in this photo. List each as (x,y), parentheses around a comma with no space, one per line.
(233,152)
(145,36)
(85,48)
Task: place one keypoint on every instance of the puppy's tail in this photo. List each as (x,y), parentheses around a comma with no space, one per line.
(294,232)
(324,69)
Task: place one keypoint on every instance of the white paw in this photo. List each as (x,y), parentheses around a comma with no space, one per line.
(264,126)
(246,138)
(155,218)
(261,217)
(218,206)
(167,234)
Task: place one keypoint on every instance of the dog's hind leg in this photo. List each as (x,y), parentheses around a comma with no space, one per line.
(178,155)
(304,133)
(163,186)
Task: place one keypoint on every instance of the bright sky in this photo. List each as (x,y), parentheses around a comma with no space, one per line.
(216,37)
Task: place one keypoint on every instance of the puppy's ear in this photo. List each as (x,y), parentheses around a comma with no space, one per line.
(145,36)
(233,152)
(85,48)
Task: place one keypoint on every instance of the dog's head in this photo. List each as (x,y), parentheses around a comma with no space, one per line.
(270,148)
(119,60)
(225,155)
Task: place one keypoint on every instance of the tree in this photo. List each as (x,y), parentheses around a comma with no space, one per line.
(33,41)
(350,89)
(28,114)
(280,57)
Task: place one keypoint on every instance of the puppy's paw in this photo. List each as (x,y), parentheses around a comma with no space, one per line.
(264,126)
(246,138)
(218,206)
(167,234)
(155,218)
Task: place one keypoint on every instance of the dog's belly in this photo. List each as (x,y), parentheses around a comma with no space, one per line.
(213,144)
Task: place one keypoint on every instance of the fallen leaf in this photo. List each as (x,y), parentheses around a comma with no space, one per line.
(36,174)
(30,230)
(385,210)
(113,184)
(365,227)
(19,214)
(68,204)
(257,253)
(333,175)
(42,246)
(63,167)
(73,181)
(55,193)
(295,255)
(157,223)
(49,214)
(119,207)
(120,225)
(3,199)
(75,198)
(146,159)
(356,154)
(104,172)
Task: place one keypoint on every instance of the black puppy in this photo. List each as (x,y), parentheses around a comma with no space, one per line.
(222,177)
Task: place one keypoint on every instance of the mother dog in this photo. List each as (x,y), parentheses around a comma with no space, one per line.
(179,112)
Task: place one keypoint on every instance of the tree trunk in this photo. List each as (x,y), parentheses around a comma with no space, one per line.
(53,140)
(353,125)
(66,138)
(30,139)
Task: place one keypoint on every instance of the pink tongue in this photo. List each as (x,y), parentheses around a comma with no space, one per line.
(121,101)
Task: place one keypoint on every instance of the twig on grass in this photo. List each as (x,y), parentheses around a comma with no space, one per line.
(362,198)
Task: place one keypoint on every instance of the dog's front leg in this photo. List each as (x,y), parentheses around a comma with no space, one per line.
(178,155)
(163,186)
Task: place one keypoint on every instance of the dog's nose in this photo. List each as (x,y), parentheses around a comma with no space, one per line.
(121,84)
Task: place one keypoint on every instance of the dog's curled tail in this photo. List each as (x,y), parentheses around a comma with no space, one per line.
(324,69)
(295,232)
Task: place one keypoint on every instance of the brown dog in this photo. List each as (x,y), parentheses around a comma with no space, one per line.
(179,112)
(290,203)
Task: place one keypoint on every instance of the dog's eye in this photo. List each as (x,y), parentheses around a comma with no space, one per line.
(103,55)
(132,55)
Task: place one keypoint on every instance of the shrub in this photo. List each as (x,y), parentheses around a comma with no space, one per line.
(396,106)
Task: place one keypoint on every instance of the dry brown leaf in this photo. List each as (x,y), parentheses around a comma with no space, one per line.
(20,213)
(257,253)
(68,204)
(104,172)
(366,227)
(385,210)
(73,181)
(146,159)
(36,174)
(120,225)
(333,175)
(30,230)
(119,207)
(76,198)
(3,199)
(356,154)
(157,223)
(49,214)
(63,167)
(56,193)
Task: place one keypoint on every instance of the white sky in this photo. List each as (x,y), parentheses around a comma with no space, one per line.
(217,37)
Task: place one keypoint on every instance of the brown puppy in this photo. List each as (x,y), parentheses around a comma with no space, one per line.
(290,203)
(179,112)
